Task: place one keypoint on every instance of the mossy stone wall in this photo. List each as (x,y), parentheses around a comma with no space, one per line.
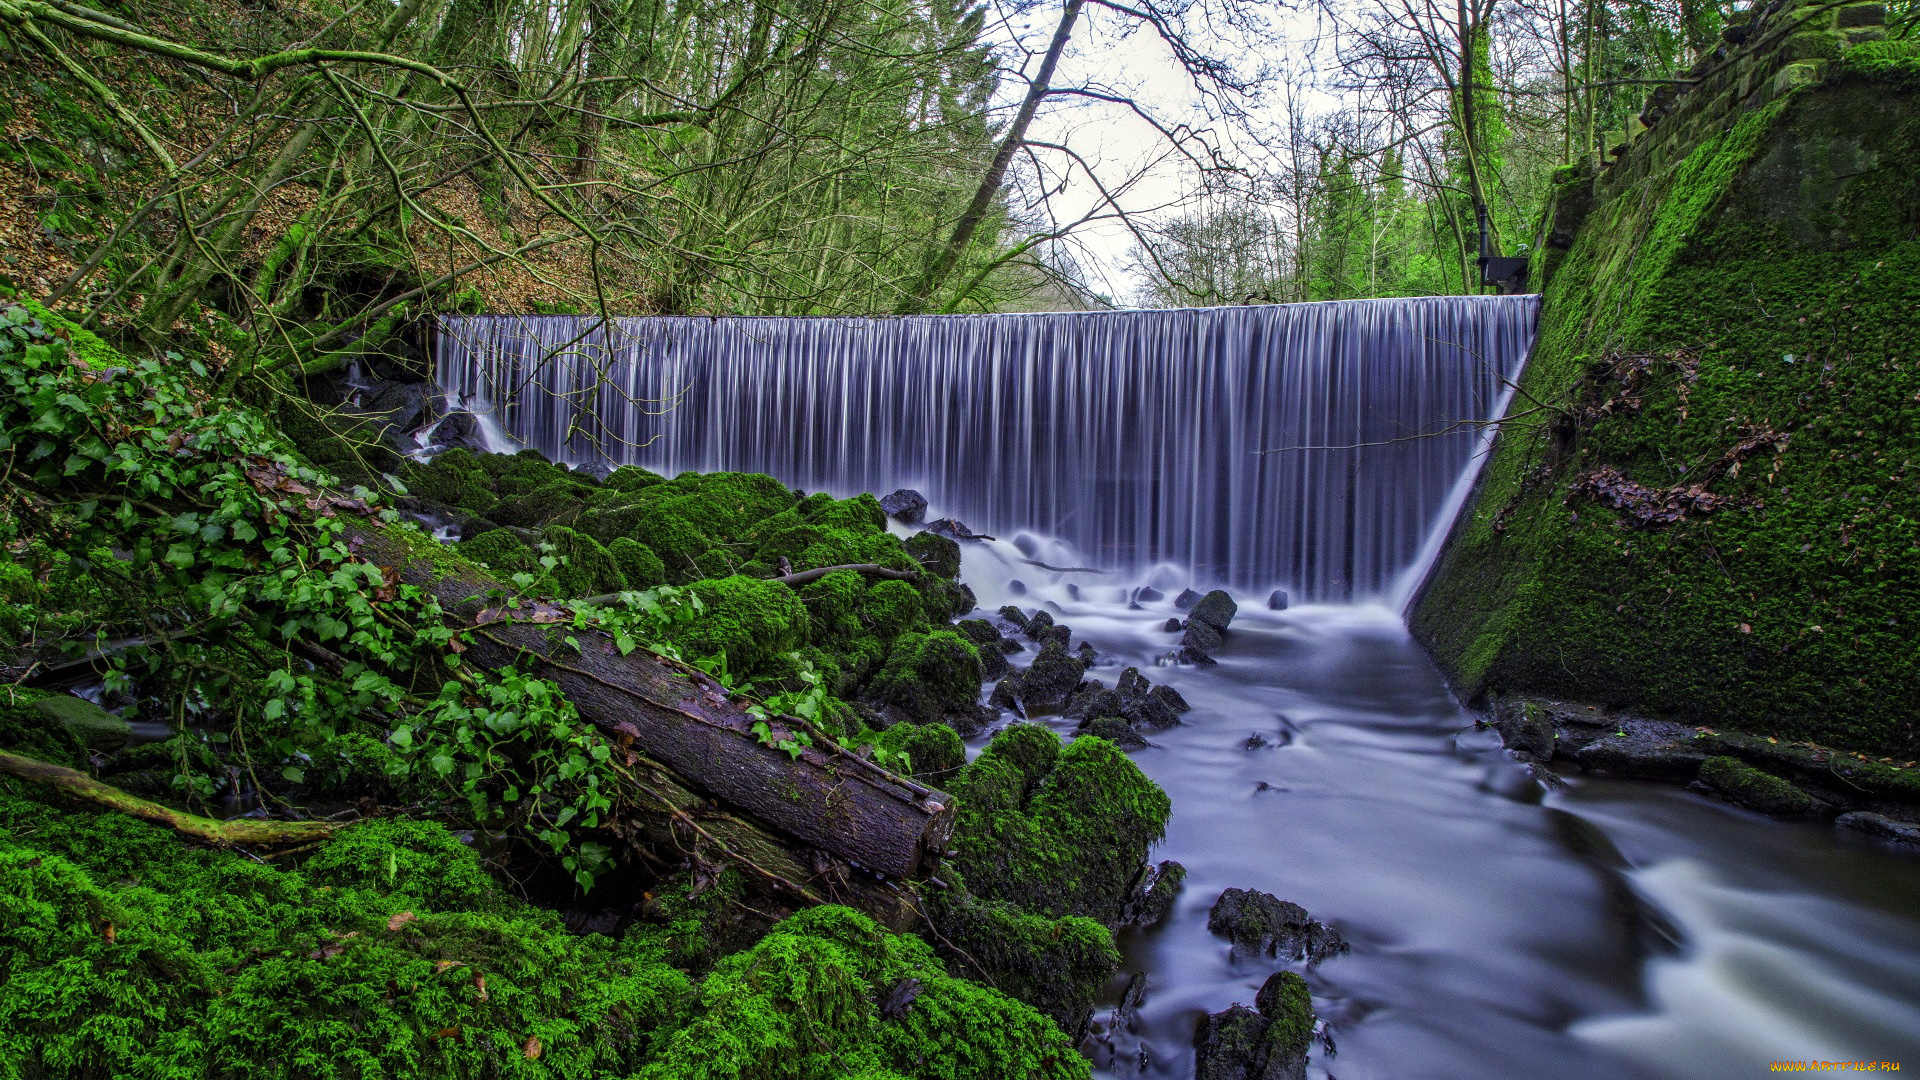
(1705,503)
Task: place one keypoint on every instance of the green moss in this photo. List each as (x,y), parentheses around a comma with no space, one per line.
(940,555)
(828,994)
(639,566)
(928,676)
(1287,1003)
(1058,831)
(935,750)
(126,952)
(558,500)
(631,478)
(500,551)
(1772,276)
(747,620)
(32,732)
(892,608)
(1059,965)
(1749,787)
(586,568)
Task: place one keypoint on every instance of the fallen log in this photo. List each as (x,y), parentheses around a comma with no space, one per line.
(238,831)
(824,796)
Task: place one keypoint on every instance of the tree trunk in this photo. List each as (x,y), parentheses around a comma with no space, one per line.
(825,796)
(218,833)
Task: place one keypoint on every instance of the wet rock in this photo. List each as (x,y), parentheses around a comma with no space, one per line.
(1169,698)
(1151,899)
(1015,616)
(1174,626)
(1186,599)
(1648,754)
(1880,825)
(1127,1015)
(1132,684)
(1526,728)
(93,726)
(950,527)
(595,471)
(1256,741)
(1086,653)
(1216,609)
(1147,594)
(1260,924)
(1114,730)
(1094,699)
(1268,1042)
(460,430)
(1017,587)
(1200,642)
(1277,600)
(906,506)
(1073,590)
(1043,629)
(1744,785)
(1051,678)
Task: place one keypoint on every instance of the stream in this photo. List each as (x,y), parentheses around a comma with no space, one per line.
(1607,929)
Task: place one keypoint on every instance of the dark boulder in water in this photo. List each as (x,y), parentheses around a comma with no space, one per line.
(1269,1042)
(1015,616)
(1186,599)
(1017,587)
(1260,924)
(1147,594)
(1174,626)
(1277,600)
(1153,895)
(1114,730)
(1094,699)
(1216,609)
(460,430)
(950,527)
(906,506)
(1043,629)
(1050,679)
(1200,642)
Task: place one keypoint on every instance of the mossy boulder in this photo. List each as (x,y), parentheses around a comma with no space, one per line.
(828,994)
(502,552)
(1056,830)
(747,620)
(586,568)
(1267,1042)
(558,500)
(92,726)
(630,478)
(935,750)
(639,566)
(1744,785)
(1058,964)
(940,555)
(928,676)
(125,952)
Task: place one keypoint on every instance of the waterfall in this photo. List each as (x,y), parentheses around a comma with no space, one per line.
(1310,447)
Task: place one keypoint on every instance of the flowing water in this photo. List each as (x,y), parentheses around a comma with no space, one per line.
(1135,435)
(1603,929)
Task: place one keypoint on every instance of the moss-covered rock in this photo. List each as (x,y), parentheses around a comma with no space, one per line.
(747,620)
(1744,785)
(124,951)
(1059,965)
(934,750)
(558,500)
(929,676)
(940,555)
(631,478)
(1059,831)
(1743,322)
(639,566)
(892,608)
(94,727)
(500,551)
(586,568)
(828,994)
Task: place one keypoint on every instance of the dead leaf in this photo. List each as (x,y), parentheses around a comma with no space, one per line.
(448,1032)
(1746,628)
(446,965)
(109,933)
(480,986)
(531,1051)
(401,920)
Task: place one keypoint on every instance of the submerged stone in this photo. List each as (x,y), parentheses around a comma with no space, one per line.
(1277,600)
(1744,785)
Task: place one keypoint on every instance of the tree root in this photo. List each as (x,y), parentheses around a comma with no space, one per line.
(208,830)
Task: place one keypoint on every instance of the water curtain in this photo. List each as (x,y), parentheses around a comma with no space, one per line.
(1312,447)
